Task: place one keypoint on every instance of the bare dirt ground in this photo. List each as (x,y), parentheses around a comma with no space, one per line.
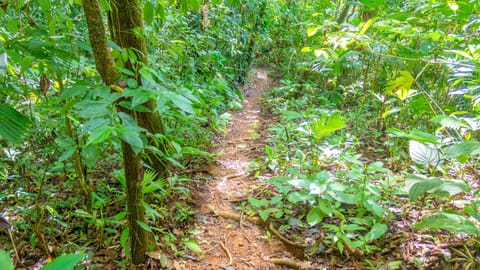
(226,243)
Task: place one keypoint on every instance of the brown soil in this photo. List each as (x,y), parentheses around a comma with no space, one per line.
(227,243)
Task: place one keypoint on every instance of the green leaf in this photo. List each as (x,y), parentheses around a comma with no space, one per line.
(417,185)
(181,103)
(5,262)
(449,122)
(423,137)
(423,155)
(13,125)
(148,12)
(376,231)
(99,135)
(453,222)
(401,85)
(315,216)
(326,125)
(193,246)
(132,137)
(312,30)
(64,262)
(124,238)
(470,149)
(258,203)
(144,226)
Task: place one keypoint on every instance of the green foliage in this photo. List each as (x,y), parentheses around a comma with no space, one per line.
(13,125)
(66,261)
(419,185)
(5,262)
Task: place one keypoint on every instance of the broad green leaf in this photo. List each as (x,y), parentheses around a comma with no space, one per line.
(418,185)
(468,149)
(423,137)
(133,138)
(315,216)
(452,222)
(73,91)
(401,85)
(13,125)
(343,197)
(292,115)
(182,103)
(376,231)
(64,262)
(326,125)
(375,208)
(449,122)
(5,262)
(99,135)
(264,214)
(423,155)
(148,12)
(258,203)
(193,246)
(312,30)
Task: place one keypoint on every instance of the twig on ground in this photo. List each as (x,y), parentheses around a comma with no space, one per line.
(230,259)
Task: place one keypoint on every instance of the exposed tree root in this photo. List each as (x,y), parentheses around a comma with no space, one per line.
(288,263)
(259,222)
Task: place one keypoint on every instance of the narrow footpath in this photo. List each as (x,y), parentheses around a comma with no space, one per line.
(227,243)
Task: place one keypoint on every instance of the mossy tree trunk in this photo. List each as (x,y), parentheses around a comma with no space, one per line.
(126,28)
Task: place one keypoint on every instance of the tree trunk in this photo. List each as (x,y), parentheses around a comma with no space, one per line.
(126,23)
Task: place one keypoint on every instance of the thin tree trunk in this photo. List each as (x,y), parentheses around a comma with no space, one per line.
(126,23)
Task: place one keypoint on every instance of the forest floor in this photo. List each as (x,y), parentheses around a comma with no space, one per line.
(227,243)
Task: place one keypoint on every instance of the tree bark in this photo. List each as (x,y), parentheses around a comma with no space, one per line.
(126,22)
(127,31)
(98,40)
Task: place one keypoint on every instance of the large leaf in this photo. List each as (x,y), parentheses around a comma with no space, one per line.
(416,135)
(182,103)
(99,135)
(315,216)
(5,262)
(418,185)
(449,122)
(13,125)
(468,149)
(448,221)
(401,86)
(326,125)
(64,262)
(423,154)
(376,231)
(148,12)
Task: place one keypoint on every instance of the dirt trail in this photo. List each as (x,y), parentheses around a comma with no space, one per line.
(229,244)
